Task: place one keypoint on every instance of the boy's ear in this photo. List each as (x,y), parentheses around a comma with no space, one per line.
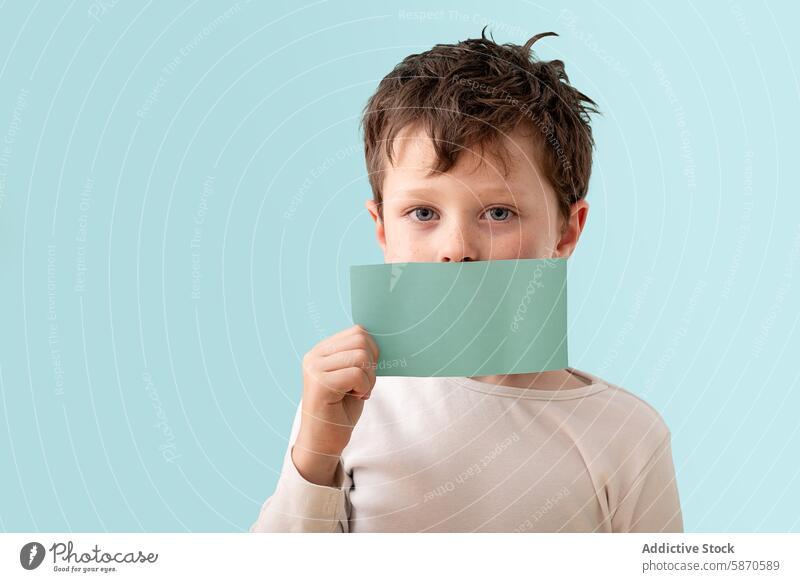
(572,229)
(380,232)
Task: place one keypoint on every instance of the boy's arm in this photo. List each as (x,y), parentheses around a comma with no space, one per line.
(652,504)
(297,505)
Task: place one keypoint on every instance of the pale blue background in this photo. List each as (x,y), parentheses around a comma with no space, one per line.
(684,288)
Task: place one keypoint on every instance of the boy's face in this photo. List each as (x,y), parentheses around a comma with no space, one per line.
(472,212)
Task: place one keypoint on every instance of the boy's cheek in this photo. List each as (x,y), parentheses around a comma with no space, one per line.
(403,244)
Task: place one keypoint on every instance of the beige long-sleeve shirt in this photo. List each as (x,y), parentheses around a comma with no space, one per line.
(452,454)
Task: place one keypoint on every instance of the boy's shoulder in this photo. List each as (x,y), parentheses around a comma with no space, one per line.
(632,411)
(624,428)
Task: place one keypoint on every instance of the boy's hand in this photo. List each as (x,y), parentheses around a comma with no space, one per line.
(338,375)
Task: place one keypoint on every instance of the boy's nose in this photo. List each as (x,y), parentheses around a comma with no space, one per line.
(463,260)
(458,247)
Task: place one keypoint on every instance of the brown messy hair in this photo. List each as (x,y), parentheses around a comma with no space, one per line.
(472,93)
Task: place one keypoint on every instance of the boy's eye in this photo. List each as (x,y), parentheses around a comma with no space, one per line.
(423,213)
(498,213)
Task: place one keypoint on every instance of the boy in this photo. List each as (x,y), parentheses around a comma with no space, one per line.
(475,151)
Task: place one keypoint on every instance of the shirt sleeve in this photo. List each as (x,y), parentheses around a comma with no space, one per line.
(297,505)
(652,504)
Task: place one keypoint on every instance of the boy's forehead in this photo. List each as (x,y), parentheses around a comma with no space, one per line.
(414,157)
(412,147)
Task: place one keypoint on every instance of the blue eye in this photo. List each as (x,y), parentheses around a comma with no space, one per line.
(428,213)
(495,216)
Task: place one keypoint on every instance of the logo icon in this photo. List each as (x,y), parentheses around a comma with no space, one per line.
(31,555)
(394,274)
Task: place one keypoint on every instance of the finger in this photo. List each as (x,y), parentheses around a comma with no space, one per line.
(353,341)
(347,381)
(372,343)
(328,345)
(371,377)
(359,357)
(372,372)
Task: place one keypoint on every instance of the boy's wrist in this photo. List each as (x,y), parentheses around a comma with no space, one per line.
(314,467)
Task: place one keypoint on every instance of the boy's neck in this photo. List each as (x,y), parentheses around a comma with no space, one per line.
(548,380)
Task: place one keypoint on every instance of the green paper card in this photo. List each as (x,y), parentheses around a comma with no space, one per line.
(473,318)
